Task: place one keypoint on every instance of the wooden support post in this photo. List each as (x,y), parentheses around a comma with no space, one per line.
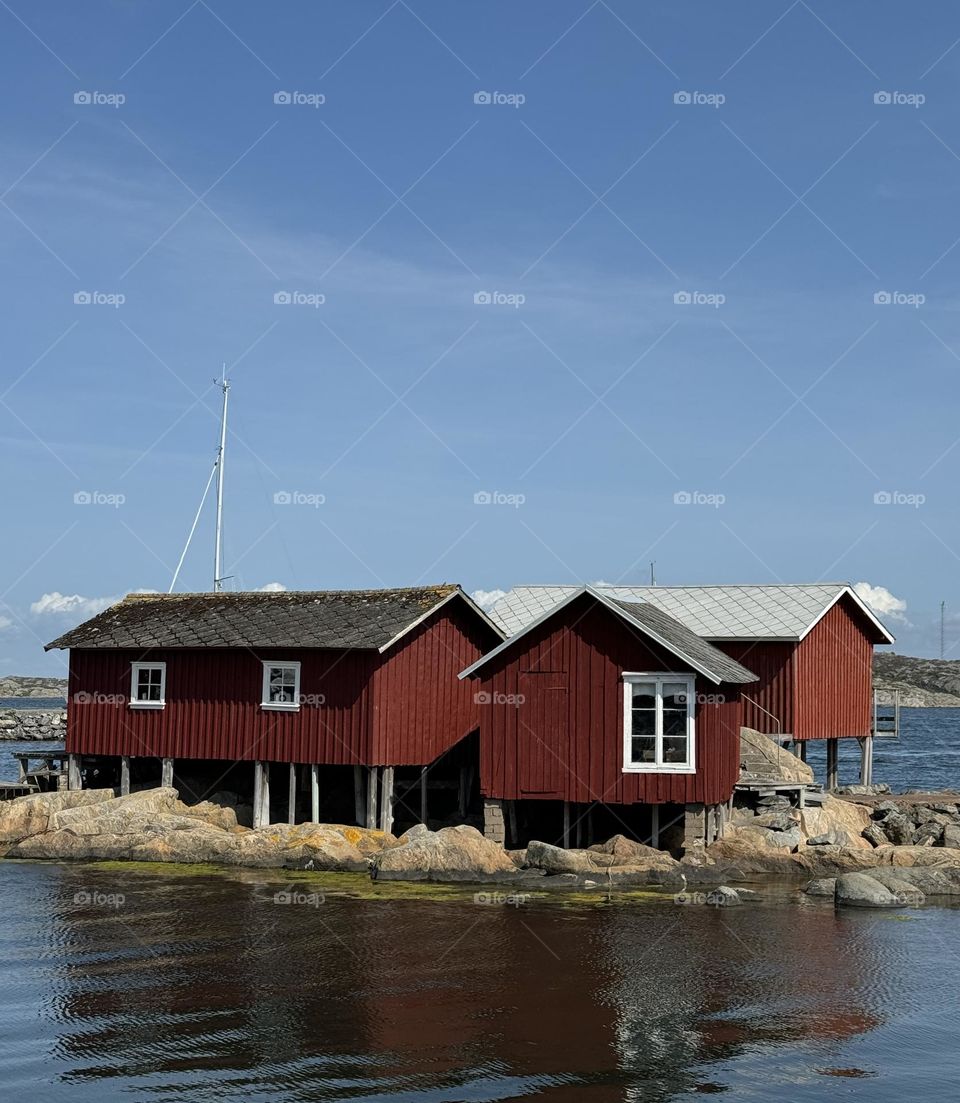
(832,757)
(801,750)
(315,793)
(462,793)
(125,775)
(292,794)
(386,799)
(866,760)
(566,825)
(655,826)
(360,809)
(74,779)
(423,794)
(373,819)
(512,835)
(166,773)
(578,828)
(261,794)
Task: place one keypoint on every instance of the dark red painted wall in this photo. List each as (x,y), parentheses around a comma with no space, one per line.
(835,676)
(819,688)
(774,691)
(565,739)
(388,709)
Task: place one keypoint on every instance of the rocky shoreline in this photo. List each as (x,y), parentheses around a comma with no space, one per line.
(857,869)
(26,725)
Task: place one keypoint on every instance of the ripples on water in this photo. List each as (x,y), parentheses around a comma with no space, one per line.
(203,988)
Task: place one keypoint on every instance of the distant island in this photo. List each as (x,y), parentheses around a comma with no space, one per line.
(923,683)
(19,685)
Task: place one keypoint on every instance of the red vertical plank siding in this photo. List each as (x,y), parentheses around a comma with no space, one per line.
(405,706)
(835,676)
(775,690)
(562,738)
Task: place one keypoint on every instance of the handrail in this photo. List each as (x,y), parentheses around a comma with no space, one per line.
(757,705)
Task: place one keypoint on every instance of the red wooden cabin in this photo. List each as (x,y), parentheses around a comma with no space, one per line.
(810,647)
(606,716)
(346,693)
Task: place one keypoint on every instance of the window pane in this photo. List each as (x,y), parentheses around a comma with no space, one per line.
(675,750)
(674,722)
(644,695)
(644,722)
(149,683)
(675,695)
(643,749)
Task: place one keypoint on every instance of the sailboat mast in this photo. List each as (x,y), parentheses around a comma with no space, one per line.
(221,455)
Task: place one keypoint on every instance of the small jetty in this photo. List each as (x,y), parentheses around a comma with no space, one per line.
(38,772)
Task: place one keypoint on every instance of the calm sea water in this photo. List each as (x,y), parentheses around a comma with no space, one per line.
(170,986)
(32,703)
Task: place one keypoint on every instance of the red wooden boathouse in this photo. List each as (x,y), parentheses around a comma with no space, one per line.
(810,647)
(350,695)
(605,716)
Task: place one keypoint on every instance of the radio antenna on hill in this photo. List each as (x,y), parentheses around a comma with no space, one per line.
(943,607)
(217,469)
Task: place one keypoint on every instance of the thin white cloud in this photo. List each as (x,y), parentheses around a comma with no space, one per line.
(76,605)
(271,588)
(882,602)
(57,604)
(486,599)
(5,623)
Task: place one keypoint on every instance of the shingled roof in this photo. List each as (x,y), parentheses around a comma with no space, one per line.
(652,622)
(367,619)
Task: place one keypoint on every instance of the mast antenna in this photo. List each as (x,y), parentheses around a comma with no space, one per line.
(221,456)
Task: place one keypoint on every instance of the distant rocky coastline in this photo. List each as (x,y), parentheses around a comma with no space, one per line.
(921,683)
(27,725)
(20,685)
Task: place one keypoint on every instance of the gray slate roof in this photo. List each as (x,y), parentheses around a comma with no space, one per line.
(782,612)
(683,641)
(653,622)
(368,619)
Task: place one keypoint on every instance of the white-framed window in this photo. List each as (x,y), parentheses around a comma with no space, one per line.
(148,685)
(281,685)
(658,723)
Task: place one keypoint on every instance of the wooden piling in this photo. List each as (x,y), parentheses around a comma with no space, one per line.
(125,775)
(372,818)
(315,793)
(166,773)
(292,794)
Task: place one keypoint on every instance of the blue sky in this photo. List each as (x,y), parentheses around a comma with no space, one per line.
(588,398)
